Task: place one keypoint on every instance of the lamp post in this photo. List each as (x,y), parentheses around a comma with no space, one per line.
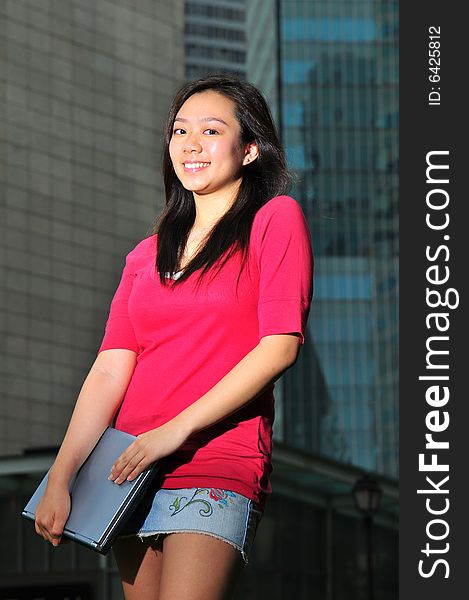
(367,495)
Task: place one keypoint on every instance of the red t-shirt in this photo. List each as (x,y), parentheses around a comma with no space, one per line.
(187,339)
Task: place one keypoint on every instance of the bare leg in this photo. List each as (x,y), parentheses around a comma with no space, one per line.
(140,565)
(198,567)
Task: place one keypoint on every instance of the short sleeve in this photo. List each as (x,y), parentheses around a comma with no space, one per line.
(119,332)
(285,261)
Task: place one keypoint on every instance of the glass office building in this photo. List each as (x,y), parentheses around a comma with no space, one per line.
(329,70)
(338,98)
(215,39)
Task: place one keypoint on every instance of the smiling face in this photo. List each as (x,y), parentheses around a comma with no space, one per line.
(205,146)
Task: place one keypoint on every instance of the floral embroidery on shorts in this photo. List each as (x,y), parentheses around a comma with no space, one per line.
(221,497)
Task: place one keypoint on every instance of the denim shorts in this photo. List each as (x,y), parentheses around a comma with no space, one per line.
(223,514)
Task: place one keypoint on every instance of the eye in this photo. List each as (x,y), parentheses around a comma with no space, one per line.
(212,130)
(175,131)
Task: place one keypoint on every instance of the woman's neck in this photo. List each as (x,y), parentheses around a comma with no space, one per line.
(211,208)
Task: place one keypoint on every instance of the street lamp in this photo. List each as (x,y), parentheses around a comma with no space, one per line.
(367,496)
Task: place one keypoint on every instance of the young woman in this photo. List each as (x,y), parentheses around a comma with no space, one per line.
(210,311)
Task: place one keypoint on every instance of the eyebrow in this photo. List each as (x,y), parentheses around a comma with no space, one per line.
(203,119)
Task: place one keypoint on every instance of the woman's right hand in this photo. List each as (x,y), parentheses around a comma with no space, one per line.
(107,380)
(52,512)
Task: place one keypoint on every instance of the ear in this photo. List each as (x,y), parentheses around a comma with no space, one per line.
(251,152)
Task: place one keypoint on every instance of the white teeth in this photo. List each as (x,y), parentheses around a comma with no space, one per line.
(195,165)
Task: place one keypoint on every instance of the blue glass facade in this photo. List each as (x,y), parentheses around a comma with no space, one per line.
(339,119)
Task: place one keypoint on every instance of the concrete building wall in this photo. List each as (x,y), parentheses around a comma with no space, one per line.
(84,90)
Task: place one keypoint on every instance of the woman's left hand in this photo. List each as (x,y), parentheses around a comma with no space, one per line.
(146,449)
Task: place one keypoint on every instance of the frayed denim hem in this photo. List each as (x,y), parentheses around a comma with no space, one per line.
(156,534)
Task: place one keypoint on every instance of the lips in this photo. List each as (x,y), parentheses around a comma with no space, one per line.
(195,167)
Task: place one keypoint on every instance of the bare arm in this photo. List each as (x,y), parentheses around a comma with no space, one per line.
(99,398)
(96,405)
(258,369)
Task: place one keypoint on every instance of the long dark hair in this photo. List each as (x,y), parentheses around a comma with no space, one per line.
(263,179)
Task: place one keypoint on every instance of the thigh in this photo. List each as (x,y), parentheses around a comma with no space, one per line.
(140,564)
(198,566)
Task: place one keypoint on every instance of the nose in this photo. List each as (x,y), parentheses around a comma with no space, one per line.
(192,143)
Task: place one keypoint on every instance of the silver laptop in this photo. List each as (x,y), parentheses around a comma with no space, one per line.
(99,506)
